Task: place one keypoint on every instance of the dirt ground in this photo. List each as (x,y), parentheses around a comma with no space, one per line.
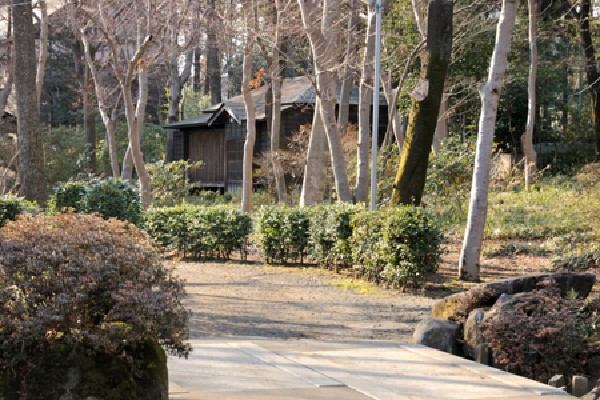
(251,299)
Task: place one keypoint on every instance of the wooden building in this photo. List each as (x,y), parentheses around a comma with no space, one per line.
(217,136)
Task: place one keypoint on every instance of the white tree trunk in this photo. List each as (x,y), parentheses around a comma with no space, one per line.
(319,20)
(109,120)
(177,80)
(490,94)
(364,112)
(43,54)
(313,170)
(250,115)
(527,138)
(111,128)
(349,66)
(276,108)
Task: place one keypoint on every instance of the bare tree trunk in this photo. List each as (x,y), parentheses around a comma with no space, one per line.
(349,65)
(177,80)
(412,171)
(276,78)
(313,170)
(490,95)
(43,56)
(364,111)
(527,138)
(591,67)
(441,129)
(250,113)
(322,37)
(31,144)
(89,122)
(135,114)
(213,63)
(109,114)
(10,70)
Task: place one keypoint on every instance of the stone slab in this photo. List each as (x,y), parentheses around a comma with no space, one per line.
(259,368)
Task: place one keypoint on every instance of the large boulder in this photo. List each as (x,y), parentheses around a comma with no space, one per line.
(438,334)
(456,307)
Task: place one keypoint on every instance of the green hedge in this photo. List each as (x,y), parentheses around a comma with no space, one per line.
(330,230)
(198,231)
(283,233)
(110,197)
(399,246)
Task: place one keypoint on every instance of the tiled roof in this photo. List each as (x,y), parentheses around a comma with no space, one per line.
(299,90)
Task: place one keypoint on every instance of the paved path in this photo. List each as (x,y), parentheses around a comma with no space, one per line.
(254,368)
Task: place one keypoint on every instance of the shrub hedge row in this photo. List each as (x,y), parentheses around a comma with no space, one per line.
(283,234)
(399,246)
(198,231)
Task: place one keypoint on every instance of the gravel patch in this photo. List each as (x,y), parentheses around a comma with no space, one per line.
(232,299)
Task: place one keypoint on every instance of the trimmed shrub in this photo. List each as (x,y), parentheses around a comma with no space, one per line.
(110,197)
(113,198)
(93,286)
(68,195)
(411,247)
(283,233)
(11,206)
(366,243)
(330,229)
(169,226)
(199,232)
(399,246)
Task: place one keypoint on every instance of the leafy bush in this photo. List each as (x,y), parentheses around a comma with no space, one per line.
(68,195)
(283,233)
(196,231)
(412,245)
(330,229)
(11,206)
(86,284)
(110,197)
(209,198)
(169,226)
(549,339)
(397,245)
(366,242)
(113,198)
(170,185)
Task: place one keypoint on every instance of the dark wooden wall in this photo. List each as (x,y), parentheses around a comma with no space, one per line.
(208,146)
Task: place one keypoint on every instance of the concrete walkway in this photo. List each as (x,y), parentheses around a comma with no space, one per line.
(254,368)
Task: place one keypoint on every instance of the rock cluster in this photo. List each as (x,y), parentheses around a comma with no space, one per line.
(454,325)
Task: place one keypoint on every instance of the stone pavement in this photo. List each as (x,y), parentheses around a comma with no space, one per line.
(253,368)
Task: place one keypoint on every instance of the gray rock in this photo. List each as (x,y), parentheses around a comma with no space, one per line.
(438,334)
(557,381)
(472,332)
(580,385)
